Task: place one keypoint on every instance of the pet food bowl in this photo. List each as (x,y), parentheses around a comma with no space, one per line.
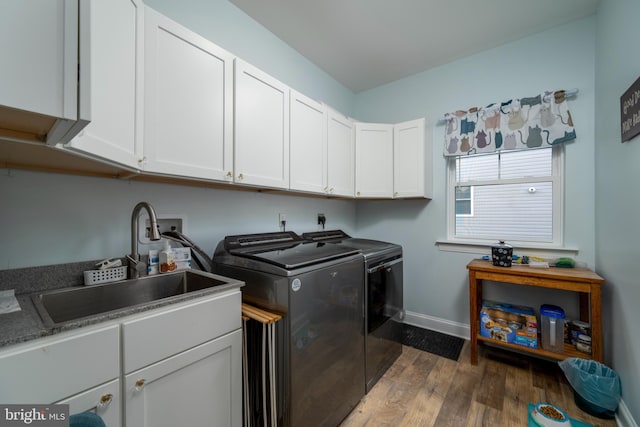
(548,415)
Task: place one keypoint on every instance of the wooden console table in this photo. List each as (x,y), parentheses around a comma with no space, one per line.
(581,280)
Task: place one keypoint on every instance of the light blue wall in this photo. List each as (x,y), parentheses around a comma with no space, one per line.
(54,218)
(617,203)
(436,282)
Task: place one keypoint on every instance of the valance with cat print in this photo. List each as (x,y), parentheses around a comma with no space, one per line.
(540,121)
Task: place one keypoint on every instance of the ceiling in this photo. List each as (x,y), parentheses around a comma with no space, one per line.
(367,43)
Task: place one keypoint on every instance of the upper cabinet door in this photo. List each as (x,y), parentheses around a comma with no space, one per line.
(35,39)
(408,159)
(261,128)
(111,80)
(308,144)
(39,83)
(374,160)
(340,155)
(188,129)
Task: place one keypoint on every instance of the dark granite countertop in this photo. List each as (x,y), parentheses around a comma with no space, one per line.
(26,324)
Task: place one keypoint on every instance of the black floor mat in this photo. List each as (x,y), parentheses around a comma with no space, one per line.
(434,342)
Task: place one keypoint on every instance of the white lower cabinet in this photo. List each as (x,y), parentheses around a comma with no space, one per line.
(79,367)
(172,366)
(104,400)
(199,387)
(58,367)
(183,365)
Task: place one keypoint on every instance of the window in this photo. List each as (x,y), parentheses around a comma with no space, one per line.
(464,201)
(508,195)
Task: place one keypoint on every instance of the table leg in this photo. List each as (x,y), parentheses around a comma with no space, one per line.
(596,323)
(475,299)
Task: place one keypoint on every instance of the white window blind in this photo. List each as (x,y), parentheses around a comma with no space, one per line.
(511,195)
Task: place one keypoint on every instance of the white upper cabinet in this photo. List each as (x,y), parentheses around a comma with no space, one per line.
(261,128)
(188,98)
(308,144)
(111,80)
(409,159)
(374,160)
(39,84)
(340,155)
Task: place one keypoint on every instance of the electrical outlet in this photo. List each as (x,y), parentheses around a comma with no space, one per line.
(282,218)
(166,222)
(321,221)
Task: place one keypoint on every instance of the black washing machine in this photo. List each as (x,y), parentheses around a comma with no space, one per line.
(384,313)
(318,288)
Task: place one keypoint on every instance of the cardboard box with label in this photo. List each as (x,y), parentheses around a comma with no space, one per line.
(510,323)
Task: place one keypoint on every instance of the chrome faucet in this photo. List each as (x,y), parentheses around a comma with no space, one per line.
(154,234)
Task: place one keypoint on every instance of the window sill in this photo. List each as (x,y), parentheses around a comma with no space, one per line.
(480,248)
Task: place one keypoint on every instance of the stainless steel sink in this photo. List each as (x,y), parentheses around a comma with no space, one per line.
(68,304)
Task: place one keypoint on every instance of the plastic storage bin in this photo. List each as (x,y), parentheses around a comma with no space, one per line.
(552,325)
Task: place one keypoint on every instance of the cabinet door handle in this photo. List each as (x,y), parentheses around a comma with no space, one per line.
(240,177)
(229,174)
(140,383)
(105,400)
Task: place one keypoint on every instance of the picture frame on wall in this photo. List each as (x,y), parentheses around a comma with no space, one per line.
(630,112)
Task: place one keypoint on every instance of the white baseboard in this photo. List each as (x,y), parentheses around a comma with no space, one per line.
(461,330)
(624,417)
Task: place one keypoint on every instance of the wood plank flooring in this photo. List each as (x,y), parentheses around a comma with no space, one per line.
(422,389)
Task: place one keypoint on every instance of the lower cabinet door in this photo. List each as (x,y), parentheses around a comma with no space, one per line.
(103,400)
(198,387)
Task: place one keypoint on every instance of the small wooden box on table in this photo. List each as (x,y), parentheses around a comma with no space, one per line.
(584,281)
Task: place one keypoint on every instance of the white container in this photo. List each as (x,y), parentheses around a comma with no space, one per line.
(95,277)
(182,258)
(167,262)
(552,325)
(154,262)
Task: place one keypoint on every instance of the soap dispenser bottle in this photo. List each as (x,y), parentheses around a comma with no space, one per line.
(167,262)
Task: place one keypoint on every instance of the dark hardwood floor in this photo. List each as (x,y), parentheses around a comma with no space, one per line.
(422,389)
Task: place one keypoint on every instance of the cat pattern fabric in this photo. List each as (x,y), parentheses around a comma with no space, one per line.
(534,122)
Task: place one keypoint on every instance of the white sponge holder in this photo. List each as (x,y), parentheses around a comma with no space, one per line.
(94,277)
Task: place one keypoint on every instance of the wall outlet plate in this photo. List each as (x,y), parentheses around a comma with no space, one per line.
(166,222)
